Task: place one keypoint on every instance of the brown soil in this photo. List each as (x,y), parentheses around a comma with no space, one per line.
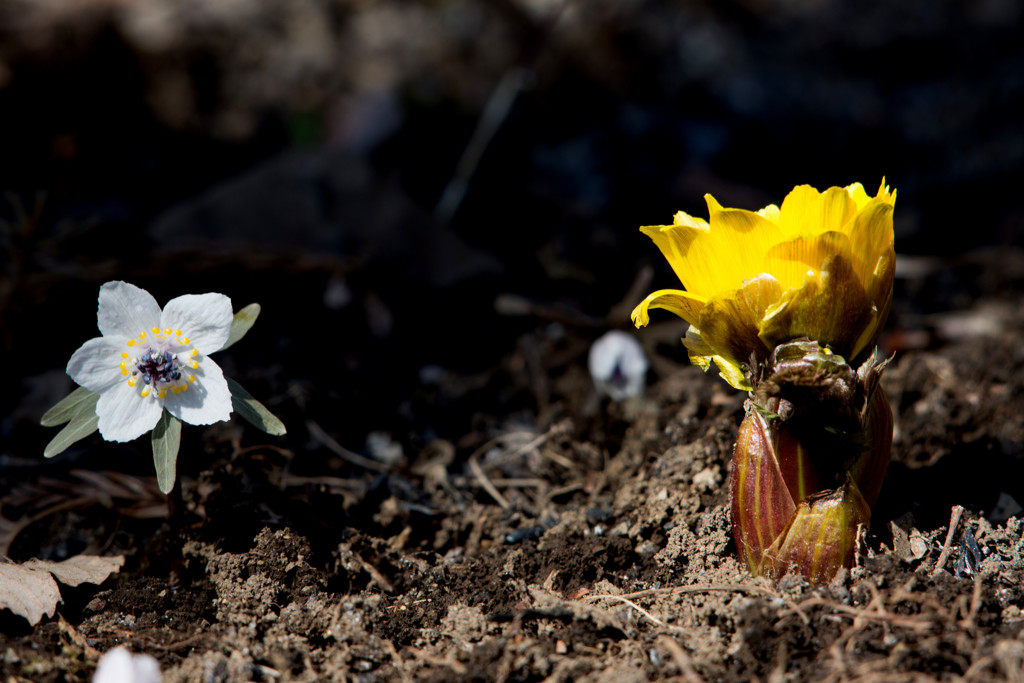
(593,545)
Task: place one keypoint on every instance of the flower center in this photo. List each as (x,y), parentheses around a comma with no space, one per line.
(158,361)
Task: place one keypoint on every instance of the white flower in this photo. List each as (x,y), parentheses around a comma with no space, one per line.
(149,360)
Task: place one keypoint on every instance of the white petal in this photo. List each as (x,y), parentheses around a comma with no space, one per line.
(96,365)
(206,401)
(204,318)
(125,310)
(124,415)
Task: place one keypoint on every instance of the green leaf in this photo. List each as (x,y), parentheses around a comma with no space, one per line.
(241,324)
(82,422)
(166,440)
(254,411)
(68,407)
(765,413)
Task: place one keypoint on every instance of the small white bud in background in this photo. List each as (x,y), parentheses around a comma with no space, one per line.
(121,666)
(618,365)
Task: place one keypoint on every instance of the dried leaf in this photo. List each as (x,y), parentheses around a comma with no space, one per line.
(28,593)
(79,569)
(29,590)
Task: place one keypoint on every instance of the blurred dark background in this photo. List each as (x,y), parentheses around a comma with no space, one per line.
(409,188)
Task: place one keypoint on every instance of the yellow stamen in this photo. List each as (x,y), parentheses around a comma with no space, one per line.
(145,392)
(124,354)
(167,330)
(191,378)
(195,352)
(142,335)
(177,333)
(124,371)
(156,330)
(161,394)
(131,382)
(195,364)
(186,340)
(123,365)
(131,342)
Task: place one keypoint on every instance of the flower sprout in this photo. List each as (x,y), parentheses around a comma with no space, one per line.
(809,461)
(150,370)
(820,267)
(785,301)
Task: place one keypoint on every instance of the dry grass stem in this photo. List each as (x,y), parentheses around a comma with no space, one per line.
(947,547)
(630,603)
(345,454)
(478,472)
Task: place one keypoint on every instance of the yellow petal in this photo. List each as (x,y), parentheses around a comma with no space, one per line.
(716,258)
(807,212)
(871,243)
(681,244)
(700,353)
(738,241)
(871,237)
(770,212)
(857,193)
(795,260)
(830,308)
(730,323)
(683,218)
(703,355)
(732,373)
(684,304)
(879,294)
(883,191)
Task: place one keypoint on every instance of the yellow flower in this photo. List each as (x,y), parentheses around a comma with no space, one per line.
(820,267)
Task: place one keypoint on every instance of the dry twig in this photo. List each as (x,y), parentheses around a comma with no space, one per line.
(478,472)
(947,547)
(488,484)
(630,603)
